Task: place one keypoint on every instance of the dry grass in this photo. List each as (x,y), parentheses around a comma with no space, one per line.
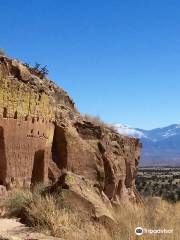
(157,214)
(44,213)
(96,120)
(47,213)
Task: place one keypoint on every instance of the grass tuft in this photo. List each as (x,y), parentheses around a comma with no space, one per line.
(48,214)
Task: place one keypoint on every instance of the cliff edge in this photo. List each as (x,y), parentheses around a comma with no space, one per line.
(43,138)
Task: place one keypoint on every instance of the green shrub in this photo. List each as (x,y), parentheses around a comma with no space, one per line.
(17,202)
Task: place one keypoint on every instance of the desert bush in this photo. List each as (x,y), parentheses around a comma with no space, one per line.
(44,214)
(39,188)
(17,201)
(38,70)
(41,212)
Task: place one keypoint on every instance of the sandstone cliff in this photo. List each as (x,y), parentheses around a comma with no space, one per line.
(43,138)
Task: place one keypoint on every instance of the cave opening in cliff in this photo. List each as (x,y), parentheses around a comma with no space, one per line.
(15,115)
(2,157)
(109,180)
(59,148)
(5,113)
(128,179)
(38,167)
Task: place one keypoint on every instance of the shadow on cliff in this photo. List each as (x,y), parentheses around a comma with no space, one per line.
(2,157)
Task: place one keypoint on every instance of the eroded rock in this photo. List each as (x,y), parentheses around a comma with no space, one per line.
(3,192)
(42,135)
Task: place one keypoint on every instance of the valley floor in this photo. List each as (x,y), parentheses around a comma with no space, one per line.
(159,181)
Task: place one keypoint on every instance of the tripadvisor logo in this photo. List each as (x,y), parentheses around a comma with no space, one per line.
(138,231)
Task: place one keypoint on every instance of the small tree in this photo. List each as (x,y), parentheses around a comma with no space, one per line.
(37,69)
(44,71)
(172,197)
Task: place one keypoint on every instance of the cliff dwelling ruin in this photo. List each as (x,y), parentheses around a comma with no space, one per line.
(42,134)
(26,131)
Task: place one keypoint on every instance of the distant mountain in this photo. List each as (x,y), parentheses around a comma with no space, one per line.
(161,146)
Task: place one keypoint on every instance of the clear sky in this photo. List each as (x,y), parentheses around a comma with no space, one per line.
(117,59)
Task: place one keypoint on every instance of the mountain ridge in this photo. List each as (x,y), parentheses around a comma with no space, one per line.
(161,146)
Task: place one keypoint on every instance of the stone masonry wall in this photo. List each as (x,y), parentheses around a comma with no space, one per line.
(26,131)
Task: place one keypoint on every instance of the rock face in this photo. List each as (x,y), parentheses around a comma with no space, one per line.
(26,127)
(42,136)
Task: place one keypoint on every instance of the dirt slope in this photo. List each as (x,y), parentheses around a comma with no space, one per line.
(12,229)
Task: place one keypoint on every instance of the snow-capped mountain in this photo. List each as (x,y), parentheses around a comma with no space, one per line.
(161,146)
(128,131)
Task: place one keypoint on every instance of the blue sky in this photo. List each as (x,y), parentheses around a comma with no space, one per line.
(119,60)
